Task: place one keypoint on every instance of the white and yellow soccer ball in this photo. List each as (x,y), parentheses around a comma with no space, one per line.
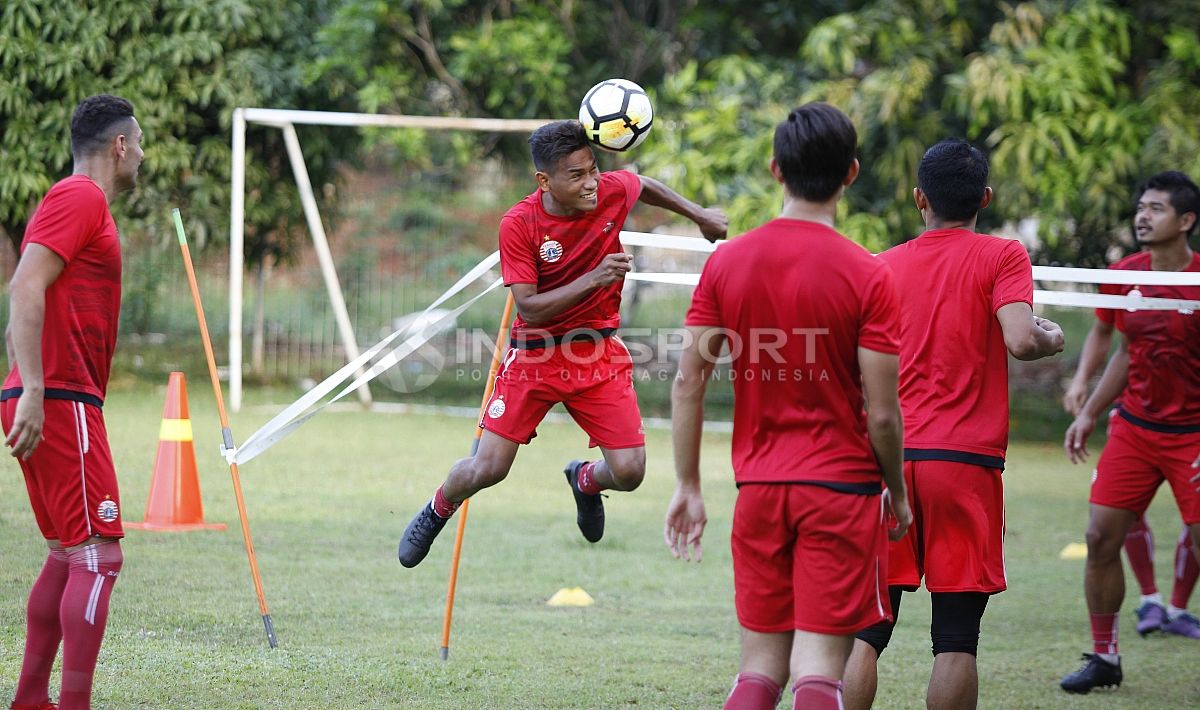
(616,114)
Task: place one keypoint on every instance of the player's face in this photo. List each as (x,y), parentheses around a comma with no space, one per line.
(574,182)
(130,157)
(1156,221)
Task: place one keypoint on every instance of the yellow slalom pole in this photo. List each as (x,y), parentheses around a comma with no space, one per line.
(501,338)
(226,433)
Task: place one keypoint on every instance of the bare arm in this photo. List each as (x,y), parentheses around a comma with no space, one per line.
(885,427)
(1027,336)
(685,515)
(37,269)
(1091,358)
(712,222)
(538,309)
(1111,384)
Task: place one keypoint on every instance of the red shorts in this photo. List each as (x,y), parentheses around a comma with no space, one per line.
(956,541)
(1136,461)
(808,557)
(70,477)
(593,380)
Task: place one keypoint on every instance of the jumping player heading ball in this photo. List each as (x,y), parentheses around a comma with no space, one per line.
(561,256)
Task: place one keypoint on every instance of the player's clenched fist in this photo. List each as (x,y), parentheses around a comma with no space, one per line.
(612,269)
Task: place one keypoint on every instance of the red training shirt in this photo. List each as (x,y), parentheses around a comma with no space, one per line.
(539,248)
(796,300)
(84,303)
(1164,350)
(953,361)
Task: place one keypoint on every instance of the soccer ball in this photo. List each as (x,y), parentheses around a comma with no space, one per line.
(616,114)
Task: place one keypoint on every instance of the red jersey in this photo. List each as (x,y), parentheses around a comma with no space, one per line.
(797,300)
(1164,350)
(549,251)
(84,302)
(953,361)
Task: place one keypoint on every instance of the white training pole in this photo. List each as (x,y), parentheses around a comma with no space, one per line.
(237,218)
(321,243)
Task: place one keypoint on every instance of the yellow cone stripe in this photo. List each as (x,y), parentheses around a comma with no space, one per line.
(175,430)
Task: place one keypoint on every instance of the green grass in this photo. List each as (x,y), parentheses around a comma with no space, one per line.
(327,507)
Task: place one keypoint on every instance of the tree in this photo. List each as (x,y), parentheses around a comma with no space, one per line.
(185,66)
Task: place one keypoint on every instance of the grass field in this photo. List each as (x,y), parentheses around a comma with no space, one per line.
(356,630)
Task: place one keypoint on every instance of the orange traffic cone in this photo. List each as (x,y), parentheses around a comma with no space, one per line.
(174,502)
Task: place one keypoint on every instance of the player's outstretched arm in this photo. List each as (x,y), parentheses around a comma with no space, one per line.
(1028,337)
(1112,382)
(1091,359)
(685,515)
(885,429)
(37,269)
(712,222)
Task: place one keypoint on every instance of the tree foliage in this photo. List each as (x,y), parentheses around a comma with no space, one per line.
(185,66)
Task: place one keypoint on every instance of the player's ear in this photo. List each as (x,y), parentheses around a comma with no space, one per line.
(987,197)
(1186,221)
(776,171)
(543,181)
(851,174)
(919,198)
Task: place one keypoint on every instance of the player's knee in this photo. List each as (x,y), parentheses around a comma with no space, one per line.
(956,617)
(628,472)
(486,472)
(1103,544)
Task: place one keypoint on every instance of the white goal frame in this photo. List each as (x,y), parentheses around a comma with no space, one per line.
(285,120)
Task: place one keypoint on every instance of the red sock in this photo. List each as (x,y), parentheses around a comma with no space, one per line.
(816,692)
(586,482)
(83,614)
(753,691)
(1187,569)
(1139,548)
(442,507)
(1104,633)
(42,631)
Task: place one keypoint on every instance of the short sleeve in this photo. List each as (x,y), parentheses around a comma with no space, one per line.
(518,262)
(68,219)
(631,183)
(879,324)
(1014,277)
(705,309)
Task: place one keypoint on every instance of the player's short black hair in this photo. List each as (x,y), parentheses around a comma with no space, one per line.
(1185,196)
(94,120)
(814,149)
(554,141)
(953,175)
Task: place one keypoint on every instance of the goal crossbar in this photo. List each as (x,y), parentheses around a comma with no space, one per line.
(286,120)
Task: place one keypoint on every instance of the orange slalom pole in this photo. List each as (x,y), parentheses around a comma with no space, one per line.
(226,432)
(462,511)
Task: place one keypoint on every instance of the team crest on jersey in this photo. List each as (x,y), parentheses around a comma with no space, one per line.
(550,251)
(496,408)
(107,511)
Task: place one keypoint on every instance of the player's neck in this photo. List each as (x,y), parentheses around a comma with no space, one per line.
(933,222)
(555,208)
(101,174)
(820,212)
(1172,256)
